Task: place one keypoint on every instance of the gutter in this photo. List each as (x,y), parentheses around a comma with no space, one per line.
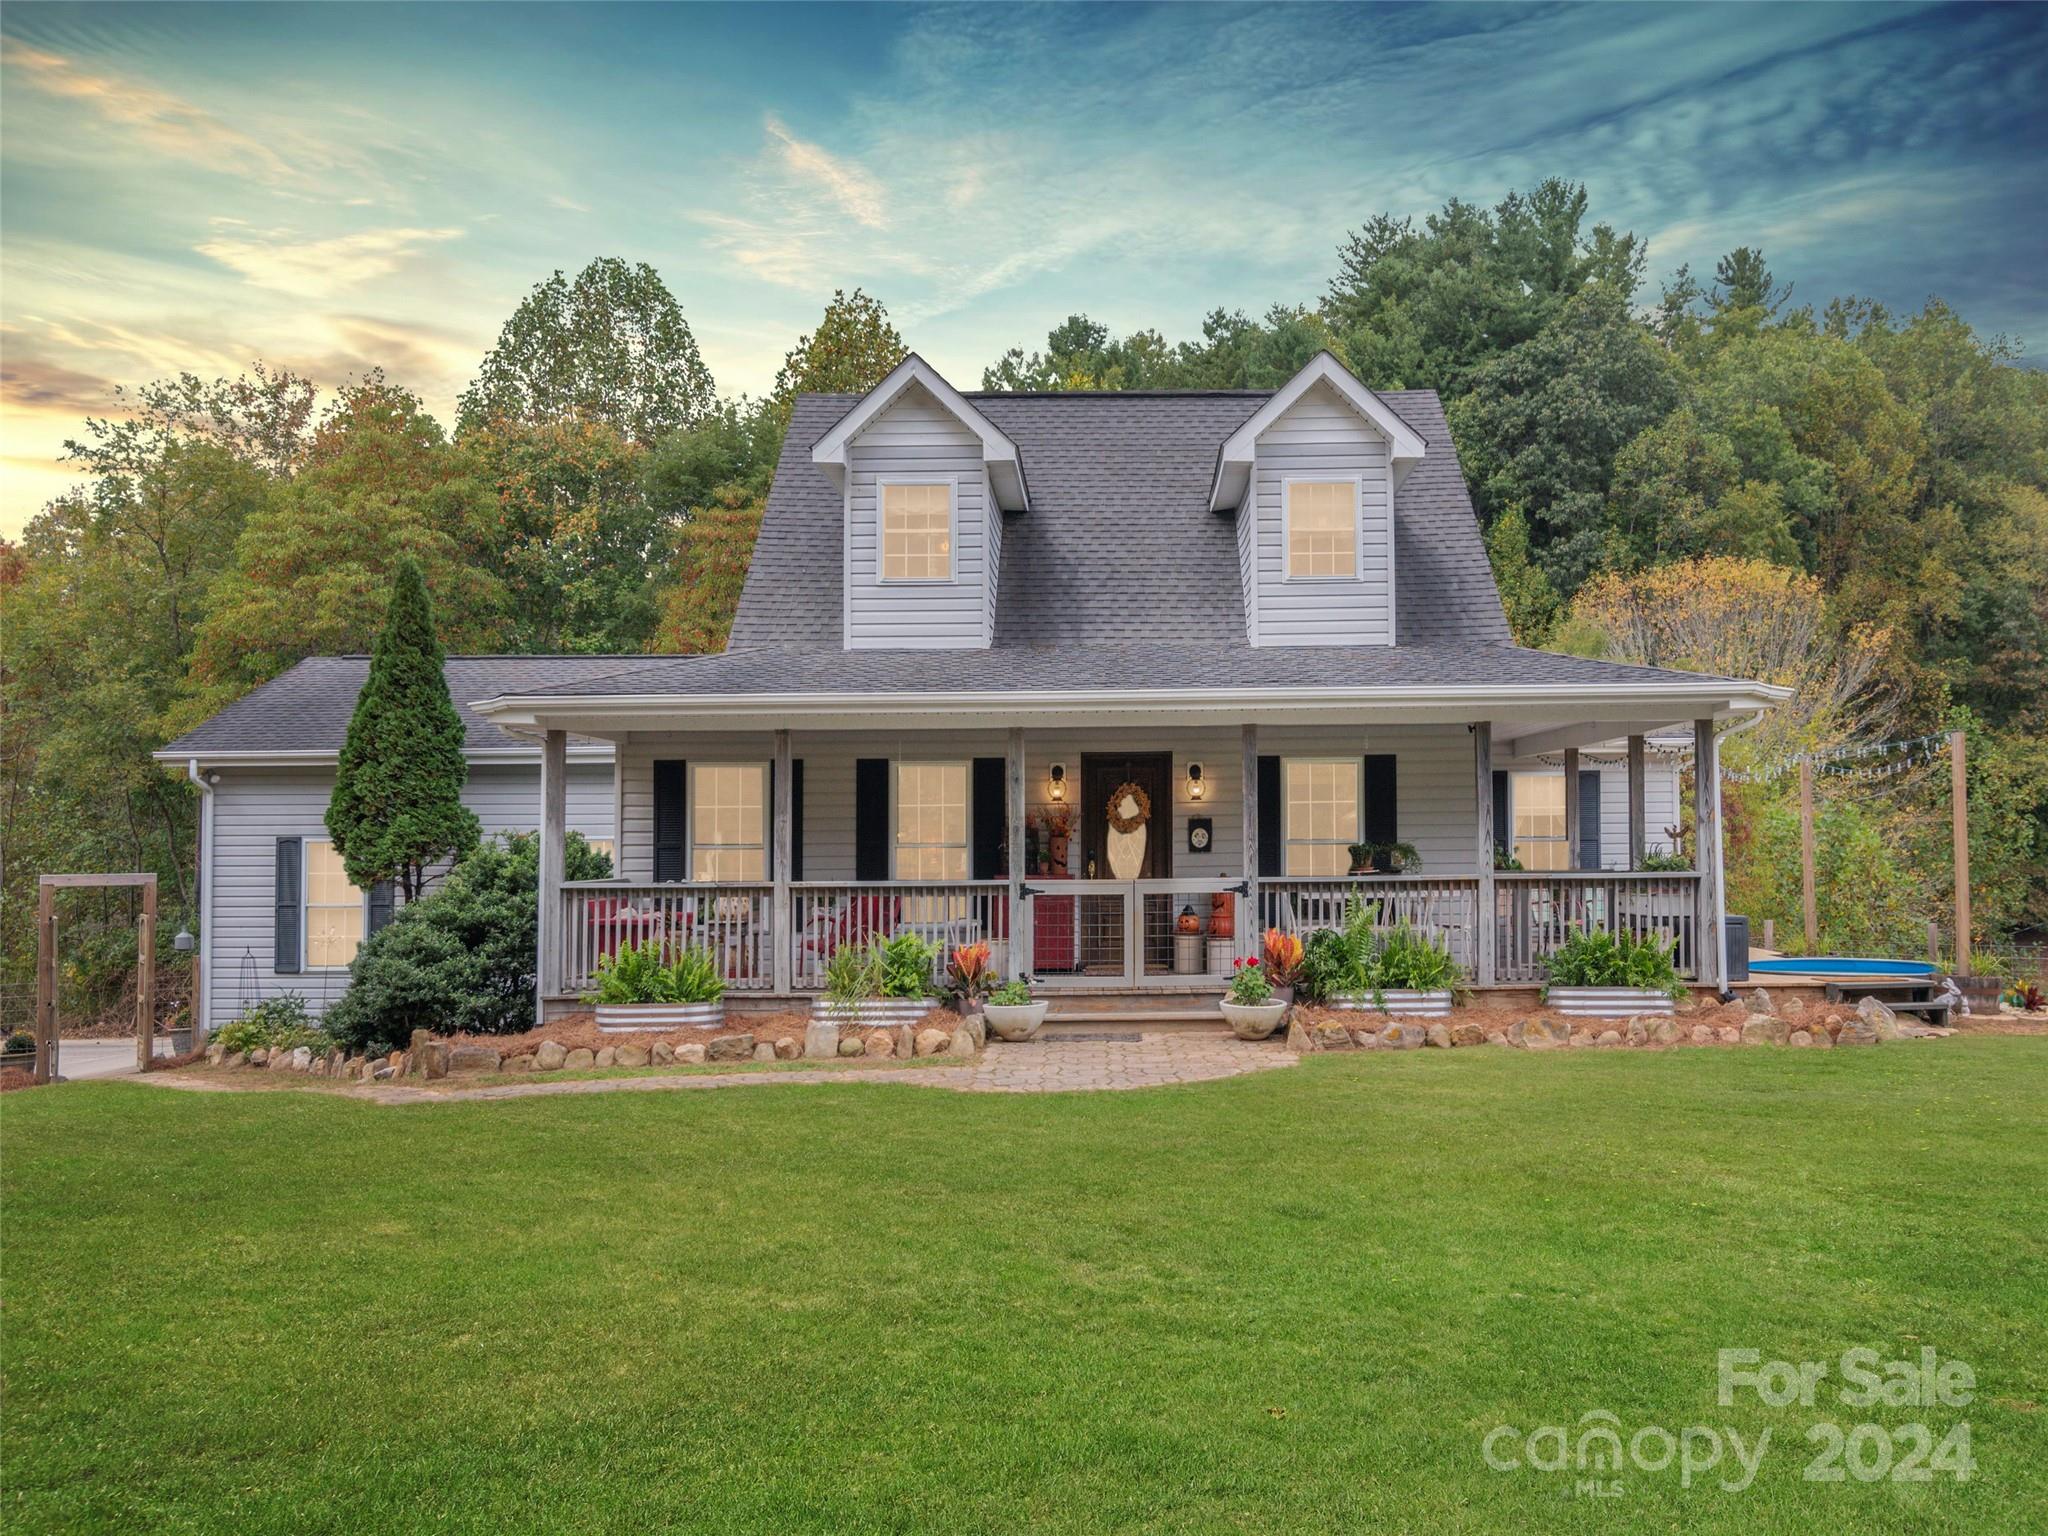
(202,953)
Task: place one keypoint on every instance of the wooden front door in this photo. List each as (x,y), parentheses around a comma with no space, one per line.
(1101,774)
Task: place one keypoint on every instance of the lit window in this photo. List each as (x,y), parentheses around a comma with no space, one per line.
(931,821)
(1321,798)
(728,825)
(917,532)
(1322,529)
(334,909)
(1538,806)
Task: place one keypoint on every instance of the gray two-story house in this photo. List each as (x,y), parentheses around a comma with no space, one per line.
(1112,682)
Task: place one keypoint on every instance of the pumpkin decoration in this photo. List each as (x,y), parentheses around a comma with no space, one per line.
(1189,923)
(1222,916)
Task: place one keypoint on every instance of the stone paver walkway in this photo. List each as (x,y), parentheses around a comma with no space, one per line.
(1156,1059)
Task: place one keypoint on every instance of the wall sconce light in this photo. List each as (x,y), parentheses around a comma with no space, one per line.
(1056,789)
(1198,788)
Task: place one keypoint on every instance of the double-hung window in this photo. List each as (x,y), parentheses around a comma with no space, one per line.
(931,821)
(917,530)
(1537,805)
(1322,530)
(335,909)
(728,821)
(1321,801)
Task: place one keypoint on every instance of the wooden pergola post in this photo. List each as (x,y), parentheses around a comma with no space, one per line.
(47,887)
(1808,907)
(1959,829)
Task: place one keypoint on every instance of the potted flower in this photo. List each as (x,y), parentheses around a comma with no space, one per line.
(886,981)
(1250,1006)
(1600,975)
(1011,1013)
(636,989)
(968,977)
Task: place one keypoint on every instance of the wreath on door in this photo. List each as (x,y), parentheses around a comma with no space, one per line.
(1118,821)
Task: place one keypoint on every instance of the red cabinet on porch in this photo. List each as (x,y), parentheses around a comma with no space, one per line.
(1052,929)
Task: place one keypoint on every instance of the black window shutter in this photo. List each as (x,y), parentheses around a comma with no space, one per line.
(383,904)
(1382,820)
(796,819)
(671,818)
(871,818)
(285,945)
(990,806)
(1272,847)
(1589,818)
(1503,832)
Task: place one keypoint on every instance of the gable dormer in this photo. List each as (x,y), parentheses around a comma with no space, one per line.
(1313,480)
(925,478)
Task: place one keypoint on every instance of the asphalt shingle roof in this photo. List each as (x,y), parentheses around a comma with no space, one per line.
(1120,544)
(307,709)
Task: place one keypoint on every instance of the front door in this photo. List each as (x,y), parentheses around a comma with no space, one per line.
(1149,858)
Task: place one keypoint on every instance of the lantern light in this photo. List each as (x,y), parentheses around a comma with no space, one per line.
(1198,788)
(1056,790)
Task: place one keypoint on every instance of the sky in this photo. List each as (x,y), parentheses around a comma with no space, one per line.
(332,188)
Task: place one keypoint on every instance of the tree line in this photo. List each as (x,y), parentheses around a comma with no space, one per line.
(1707,452)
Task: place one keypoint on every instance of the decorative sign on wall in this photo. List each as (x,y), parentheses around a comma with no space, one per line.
(1199,834)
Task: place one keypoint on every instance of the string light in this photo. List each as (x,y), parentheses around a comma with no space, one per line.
(1864,762)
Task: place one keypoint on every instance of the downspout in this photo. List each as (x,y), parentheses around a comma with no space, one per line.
(202,953)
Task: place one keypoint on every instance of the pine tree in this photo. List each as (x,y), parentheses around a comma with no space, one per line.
(397,808)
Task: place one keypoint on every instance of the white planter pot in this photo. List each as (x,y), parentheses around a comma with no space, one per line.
(625,1018)
(1014,1022)
(1253,1021)
(1607,1002)
(873,1012)
(1423,1005)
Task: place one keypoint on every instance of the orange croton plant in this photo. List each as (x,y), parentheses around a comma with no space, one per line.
(1283,957)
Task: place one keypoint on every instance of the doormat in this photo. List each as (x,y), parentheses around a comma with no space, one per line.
(1115,1037)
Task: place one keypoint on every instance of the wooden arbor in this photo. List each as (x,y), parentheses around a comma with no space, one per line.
(47,887)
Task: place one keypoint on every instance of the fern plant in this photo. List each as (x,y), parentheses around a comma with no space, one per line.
(1411,960)
(853,974)
(907,965)
(1597,958)
(637,973)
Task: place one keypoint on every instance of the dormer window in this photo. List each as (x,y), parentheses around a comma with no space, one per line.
(1322,530)
(917,530)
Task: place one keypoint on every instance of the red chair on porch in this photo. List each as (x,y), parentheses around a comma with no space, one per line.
(866,915)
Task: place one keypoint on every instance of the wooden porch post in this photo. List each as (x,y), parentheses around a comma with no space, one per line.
(1573,858)
(1638,844)
(1485,918)
(554,822)
(1021,951)
(1248,919)
(1959,833)
(781,928)
(1706,823)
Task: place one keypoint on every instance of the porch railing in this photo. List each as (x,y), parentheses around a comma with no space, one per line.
(826,915)
(1536,913)
(734,920)
(1446,907)
(1106,931)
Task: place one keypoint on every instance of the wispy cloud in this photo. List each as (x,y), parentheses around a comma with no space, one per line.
(282,260)
(858,194)
(164,122)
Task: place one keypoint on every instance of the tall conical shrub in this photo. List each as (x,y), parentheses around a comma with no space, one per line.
(397,807)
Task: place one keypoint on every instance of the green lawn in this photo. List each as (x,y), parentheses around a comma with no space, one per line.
(1293,1301)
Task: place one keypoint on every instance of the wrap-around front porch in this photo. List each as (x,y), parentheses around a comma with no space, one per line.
(775,848)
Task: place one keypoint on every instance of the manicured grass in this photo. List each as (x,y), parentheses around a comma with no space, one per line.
(1291,1301)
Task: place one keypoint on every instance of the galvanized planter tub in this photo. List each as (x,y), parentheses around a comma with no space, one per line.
(627,1018)
(872,1013)
(1607,1002)
(1425,1005)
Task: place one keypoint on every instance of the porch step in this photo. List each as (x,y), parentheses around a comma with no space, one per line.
(1136,1018)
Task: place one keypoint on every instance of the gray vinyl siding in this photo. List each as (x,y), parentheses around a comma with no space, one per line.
(1320,436)
(253,808)
(1433,777)
(917,438)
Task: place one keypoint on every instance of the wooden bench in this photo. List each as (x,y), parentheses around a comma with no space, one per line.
(1900,994)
